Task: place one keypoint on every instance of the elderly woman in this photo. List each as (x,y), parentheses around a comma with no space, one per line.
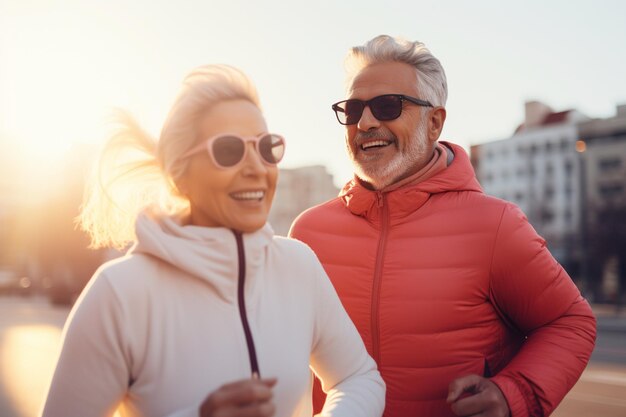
(209,313)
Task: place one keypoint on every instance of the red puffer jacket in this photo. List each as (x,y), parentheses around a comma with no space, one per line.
(442,281)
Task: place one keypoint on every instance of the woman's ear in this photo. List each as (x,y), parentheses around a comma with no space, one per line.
(180,186)
(436,120)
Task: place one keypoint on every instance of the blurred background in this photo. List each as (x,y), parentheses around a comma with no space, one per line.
(537,96)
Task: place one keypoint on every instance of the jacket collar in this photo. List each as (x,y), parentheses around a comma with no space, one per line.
(404,200)
(208,253)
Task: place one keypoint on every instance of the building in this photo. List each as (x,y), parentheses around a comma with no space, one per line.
(297,190)
(603,157)
(539,169)
(13,197)
(605,160)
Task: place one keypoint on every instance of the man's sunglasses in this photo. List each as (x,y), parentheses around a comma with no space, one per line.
(227,149)
(385,107)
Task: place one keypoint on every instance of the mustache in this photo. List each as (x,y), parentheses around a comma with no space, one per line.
(373,134)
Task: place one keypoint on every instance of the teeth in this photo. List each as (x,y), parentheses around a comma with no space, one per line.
(374,143)
(248,195)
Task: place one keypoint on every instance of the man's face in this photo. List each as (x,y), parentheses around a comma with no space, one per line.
(384,152)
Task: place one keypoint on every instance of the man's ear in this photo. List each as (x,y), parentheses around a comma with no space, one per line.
(436,119)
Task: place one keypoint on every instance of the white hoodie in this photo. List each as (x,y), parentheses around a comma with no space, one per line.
(158,330)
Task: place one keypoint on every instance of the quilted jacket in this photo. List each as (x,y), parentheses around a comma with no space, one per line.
(441,281)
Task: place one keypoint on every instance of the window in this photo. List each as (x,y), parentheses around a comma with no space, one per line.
(611,190)
(568,190)
(609,164)
(568,216)
(547,215)
(568,167)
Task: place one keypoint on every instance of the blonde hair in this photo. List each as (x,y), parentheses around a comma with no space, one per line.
(431,78)
(134,171)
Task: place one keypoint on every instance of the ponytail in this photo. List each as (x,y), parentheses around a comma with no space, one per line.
(126,179)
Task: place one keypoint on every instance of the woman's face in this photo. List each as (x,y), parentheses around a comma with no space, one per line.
(238,197)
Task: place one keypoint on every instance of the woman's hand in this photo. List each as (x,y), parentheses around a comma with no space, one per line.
(246,398)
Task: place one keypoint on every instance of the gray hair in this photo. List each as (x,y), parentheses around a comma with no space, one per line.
(431,78)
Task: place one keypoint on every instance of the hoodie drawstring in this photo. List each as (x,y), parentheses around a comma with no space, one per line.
(254,364)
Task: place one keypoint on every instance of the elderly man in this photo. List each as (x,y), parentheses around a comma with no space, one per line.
(455,295)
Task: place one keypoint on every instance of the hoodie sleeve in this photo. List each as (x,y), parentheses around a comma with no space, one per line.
(92,372)
(534,294)
(348,374)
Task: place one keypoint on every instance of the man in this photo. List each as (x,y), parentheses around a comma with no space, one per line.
(455,295)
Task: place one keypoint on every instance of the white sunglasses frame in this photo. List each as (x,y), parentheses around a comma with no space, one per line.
(207,144)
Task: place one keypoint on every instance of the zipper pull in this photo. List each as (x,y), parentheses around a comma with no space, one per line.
(379,198)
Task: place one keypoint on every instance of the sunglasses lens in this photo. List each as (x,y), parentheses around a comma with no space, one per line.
(386,107)
(272,148)
(353,109)
(228,150)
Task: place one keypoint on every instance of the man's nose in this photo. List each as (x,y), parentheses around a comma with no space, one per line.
(367,120)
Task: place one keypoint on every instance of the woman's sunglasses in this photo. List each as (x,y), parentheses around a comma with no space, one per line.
(385,107)
(227,149)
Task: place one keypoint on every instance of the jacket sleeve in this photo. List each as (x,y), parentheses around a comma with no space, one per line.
(91,374)
(348,374)
(534,294)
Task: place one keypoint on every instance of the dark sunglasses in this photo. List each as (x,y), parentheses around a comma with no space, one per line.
(228,150)
(385,107)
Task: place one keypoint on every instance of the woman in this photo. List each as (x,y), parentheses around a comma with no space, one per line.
(209,314)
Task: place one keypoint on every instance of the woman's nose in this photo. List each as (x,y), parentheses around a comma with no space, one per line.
(253,164)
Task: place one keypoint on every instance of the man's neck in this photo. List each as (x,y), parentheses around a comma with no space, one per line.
(439,161)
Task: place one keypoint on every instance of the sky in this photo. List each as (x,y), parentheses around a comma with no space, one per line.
(65,65)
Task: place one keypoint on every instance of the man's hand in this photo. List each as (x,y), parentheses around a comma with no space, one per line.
(246,398)
(474,395)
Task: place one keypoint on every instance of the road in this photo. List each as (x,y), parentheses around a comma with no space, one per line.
(30,331)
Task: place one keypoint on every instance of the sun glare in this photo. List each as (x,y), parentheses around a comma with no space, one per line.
(57,90)
(27,357)
(27,360)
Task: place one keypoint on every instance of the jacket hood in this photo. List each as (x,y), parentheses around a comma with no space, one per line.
(458,176)
(208,253)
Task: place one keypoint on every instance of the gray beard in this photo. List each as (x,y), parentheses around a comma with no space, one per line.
(403,162)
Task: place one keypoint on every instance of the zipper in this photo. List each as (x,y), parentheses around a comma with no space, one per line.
(254,364)
(378,272)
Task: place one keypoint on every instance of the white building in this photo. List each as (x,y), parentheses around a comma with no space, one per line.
(297,190)
(538,168)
